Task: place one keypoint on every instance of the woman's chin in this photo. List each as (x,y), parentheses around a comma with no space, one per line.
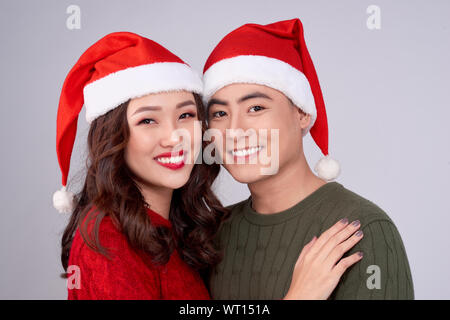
(176,185)
(174,181)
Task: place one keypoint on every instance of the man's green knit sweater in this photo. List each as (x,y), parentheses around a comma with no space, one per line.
(260,250)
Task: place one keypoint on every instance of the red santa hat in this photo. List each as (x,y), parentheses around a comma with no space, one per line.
(118,67)
(274,55)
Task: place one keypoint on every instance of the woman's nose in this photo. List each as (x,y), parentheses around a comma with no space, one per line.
(169,135)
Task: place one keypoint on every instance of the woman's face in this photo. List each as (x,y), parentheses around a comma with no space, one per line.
(165,138)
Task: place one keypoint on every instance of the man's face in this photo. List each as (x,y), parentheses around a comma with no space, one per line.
(256,109)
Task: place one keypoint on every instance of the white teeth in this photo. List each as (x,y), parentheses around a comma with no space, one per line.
(170,159)
(245,152)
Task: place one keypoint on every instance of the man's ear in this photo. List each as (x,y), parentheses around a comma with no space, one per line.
(305,119)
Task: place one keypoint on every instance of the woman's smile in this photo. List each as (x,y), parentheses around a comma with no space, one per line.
(172,160)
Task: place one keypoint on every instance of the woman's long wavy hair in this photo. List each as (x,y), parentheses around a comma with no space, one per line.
(196,214)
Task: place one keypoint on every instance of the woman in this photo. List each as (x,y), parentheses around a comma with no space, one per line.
(126,79)
(143,225)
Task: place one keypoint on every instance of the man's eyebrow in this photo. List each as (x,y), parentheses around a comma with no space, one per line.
(158,108)
(215,101)
(252,95)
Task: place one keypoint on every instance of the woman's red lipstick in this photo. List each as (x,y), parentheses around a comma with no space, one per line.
(163,159)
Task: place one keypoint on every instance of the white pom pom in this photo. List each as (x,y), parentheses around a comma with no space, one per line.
(328,168)
(63,200)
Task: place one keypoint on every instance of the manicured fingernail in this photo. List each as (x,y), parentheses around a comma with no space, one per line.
(359,233)
(360,254)
(344,221)
(355,223)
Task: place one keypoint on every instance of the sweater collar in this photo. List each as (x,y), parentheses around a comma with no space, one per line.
(275,218)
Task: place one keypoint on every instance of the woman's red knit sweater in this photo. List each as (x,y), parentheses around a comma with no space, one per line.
(126,276)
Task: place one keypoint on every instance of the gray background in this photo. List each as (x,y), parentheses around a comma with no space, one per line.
(386,93)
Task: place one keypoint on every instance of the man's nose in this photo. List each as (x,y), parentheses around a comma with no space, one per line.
(237,127)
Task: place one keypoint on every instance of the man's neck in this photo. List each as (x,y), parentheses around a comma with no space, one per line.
(293,183)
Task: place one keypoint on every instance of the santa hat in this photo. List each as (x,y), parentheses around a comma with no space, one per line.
(274,55)
(118,67)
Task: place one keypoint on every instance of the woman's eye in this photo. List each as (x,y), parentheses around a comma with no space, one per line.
(219,114)
(256,108)
(187,115)
(147,121)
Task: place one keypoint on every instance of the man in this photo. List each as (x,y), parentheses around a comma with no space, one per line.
(262,93)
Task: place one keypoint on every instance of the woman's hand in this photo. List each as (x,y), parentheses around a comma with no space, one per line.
(316,273)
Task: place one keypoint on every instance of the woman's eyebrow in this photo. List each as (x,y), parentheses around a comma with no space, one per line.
(147,108)
(158,108)
(185,103)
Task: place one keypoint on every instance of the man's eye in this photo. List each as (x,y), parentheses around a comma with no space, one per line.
(187,115)
(147,121)
(256,108)
(219,114)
